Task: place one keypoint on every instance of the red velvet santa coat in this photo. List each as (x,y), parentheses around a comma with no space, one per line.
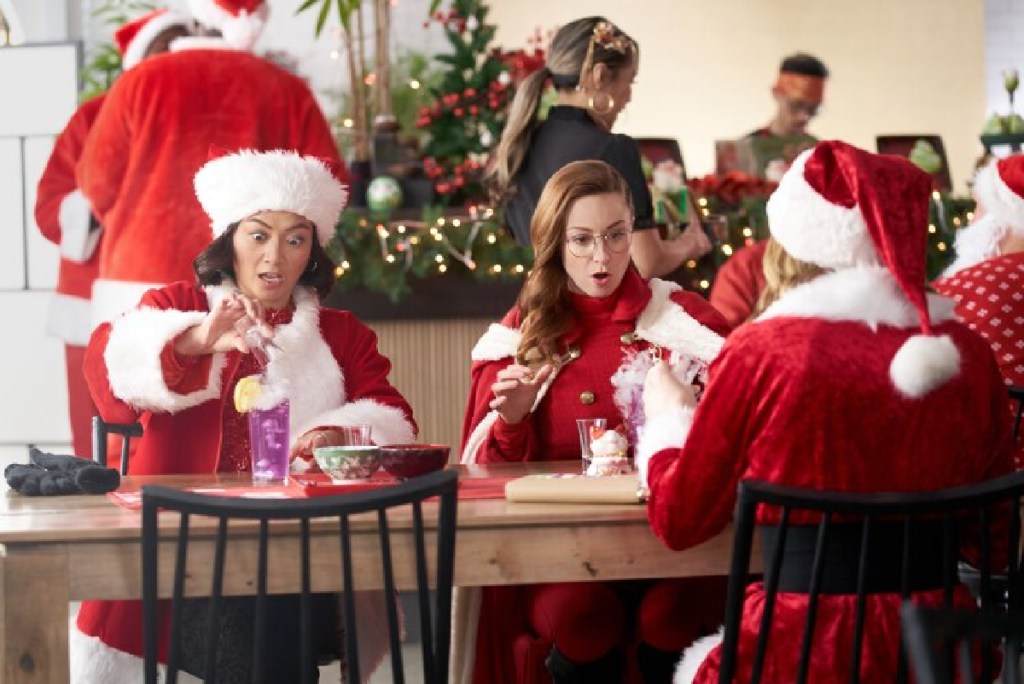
(688,331)
(155,131)
(63,216)
(334,376)
(739,283)
(803,396)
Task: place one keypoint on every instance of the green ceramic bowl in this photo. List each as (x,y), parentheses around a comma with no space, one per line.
(348,462)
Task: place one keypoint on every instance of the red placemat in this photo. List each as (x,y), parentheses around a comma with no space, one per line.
(319,484)
(132,499)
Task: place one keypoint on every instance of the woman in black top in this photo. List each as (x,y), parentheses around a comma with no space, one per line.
(592,65)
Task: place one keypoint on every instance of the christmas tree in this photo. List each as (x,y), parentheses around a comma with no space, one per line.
(468,113)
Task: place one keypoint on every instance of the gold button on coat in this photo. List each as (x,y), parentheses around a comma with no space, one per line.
(574,352)
(587,398)
(627,338)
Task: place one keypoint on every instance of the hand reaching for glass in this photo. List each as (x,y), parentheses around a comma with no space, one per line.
(663,391)
(234,322)
(515,390)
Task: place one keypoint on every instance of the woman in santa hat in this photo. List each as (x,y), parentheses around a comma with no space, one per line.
(63,216)
(577,344)
(848,376)
(174,362)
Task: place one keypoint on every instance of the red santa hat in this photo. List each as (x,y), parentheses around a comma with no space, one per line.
(135,37)
(237,185)
(840,207)
(240,22)
(999,189)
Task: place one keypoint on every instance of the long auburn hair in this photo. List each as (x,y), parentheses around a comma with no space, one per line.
(573,52)
(544,303)
(782,272)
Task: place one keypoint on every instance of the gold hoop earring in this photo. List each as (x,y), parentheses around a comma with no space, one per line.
(605,110)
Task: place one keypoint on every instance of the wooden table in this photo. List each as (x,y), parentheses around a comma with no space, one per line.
(61,549)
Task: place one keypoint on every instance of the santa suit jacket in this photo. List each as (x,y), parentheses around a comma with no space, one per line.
(63,216)
(334,376)
(803,396)
(739,283)
(989,298)
(156,130)
(689,333)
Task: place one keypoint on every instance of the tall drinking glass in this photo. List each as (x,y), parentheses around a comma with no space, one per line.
(268,435)
(586,427)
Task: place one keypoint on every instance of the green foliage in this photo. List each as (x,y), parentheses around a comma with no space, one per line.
(345,9)
(382,255)
(470,103)
(103,63)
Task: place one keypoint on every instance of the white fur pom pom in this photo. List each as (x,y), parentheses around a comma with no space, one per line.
(924,363)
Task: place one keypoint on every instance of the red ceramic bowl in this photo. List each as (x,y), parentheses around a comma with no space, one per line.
(413,460)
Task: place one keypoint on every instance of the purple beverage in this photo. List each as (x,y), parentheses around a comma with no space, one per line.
(268,435)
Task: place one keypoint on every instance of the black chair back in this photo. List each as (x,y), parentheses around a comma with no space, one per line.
(944,643)
(875,543)
(100,430)
(434,625)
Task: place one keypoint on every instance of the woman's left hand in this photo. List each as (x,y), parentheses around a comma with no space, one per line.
(662,391)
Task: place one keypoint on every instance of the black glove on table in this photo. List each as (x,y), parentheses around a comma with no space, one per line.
(56,474)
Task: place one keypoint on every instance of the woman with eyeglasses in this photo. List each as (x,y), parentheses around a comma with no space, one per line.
(592,65)
(577,345)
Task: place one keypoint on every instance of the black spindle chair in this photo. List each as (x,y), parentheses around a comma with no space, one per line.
(435,625)
(944,644)
(100,430)
(898,541)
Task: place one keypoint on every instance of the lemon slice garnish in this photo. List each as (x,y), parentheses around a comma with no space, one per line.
(247,391)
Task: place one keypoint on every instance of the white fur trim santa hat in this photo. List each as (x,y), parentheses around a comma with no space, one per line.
(237,185)
(999,189)
(240,22)
(839,207)
(135,37)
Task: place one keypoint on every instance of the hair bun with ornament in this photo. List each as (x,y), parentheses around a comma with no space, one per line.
(233,186)
(840,207)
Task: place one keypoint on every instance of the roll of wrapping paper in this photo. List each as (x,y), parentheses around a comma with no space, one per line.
(573,488)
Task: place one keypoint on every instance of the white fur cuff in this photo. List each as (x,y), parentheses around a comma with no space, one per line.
(388,425)
(665,431)
(77,242)
(134,368)
(694,657)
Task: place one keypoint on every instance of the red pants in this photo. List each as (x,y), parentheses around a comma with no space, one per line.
(585,620)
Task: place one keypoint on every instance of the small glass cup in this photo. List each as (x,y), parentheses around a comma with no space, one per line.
(268,435)
(355,435)
(584,426)
(716,227)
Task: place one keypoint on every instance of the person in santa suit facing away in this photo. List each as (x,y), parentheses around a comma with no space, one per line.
(155,130)
(63,216)
(577,344)
(850,374)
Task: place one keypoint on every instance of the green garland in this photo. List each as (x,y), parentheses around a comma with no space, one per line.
(381,254)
